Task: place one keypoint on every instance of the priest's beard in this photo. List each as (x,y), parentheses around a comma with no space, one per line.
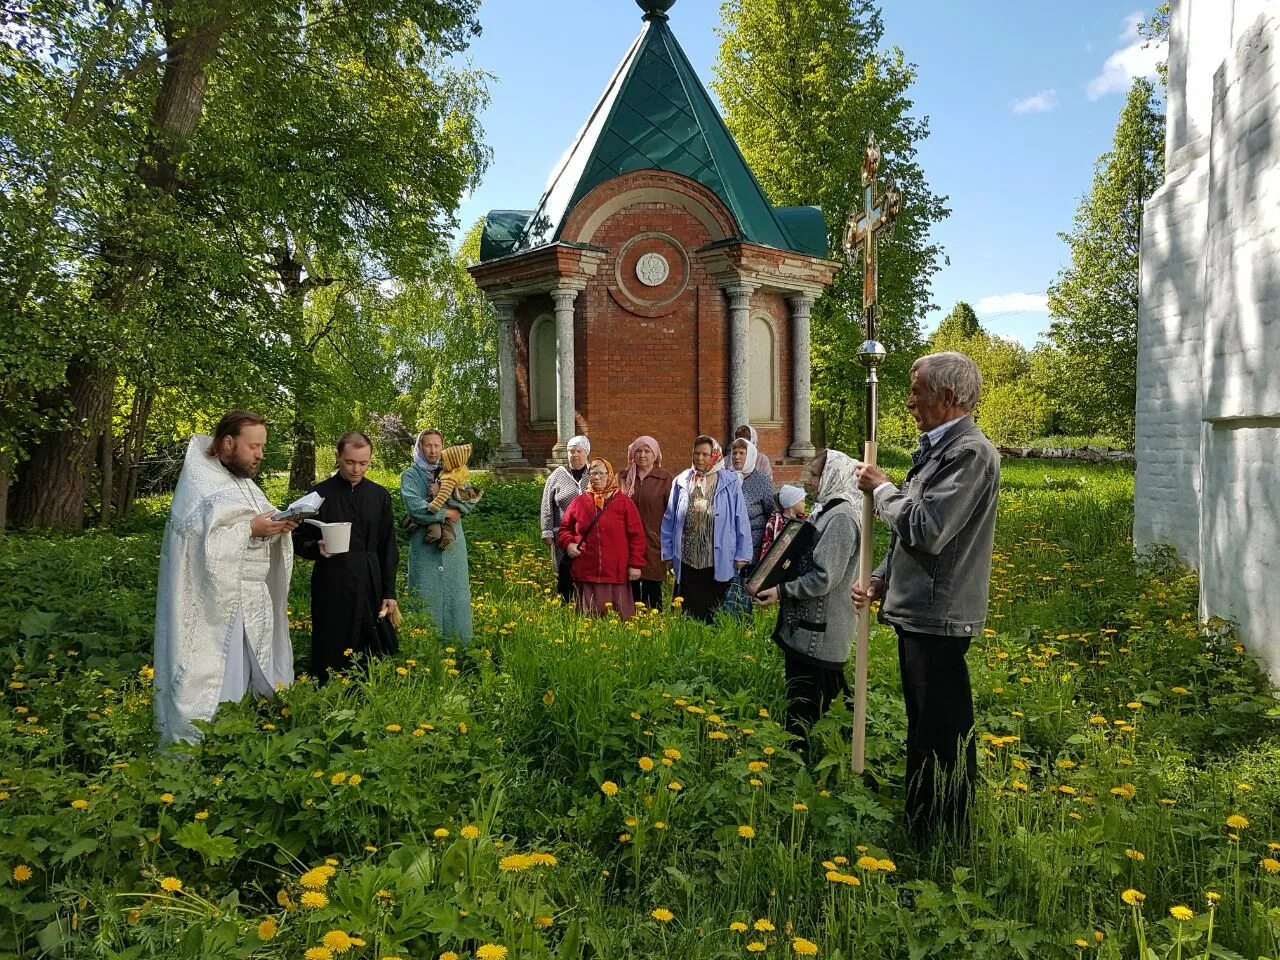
(238,466)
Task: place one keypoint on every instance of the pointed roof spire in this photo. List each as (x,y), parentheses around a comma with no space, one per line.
(655,114)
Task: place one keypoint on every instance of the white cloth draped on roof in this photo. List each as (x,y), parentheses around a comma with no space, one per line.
(221,602)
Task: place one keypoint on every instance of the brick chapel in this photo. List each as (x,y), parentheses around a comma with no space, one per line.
(654,289)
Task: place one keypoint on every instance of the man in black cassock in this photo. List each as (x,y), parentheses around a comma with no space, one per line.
(353,594)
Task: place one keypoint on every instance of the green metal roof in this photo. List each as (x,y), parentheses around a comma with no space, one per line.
(656,115)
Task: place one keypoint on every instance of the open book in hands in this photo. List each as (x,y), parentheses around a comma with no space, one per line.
(301,509)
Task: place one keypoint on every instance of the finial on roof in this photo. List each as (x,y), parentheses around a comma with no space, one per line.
(655,9)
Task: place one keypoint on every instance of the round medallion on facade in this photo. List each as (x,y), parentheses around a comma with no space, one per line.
(652,269)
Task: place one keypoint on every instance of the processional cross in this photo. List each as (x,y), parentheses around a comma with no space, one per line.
(861,237)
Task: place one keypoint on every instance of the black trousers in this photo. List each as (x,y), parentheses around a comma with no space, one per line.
(701,592)
(811,689)
(942,759)
(564,579)
(648,592)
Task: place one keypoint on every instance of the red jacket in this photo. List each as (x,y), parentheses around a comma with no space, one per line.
(615,543)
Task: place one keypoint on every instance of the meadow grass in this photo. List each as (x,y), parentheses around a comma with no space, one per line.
(575,787)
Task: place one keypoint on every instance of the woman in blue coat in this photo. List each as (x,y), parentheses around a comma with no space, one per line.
(706,534)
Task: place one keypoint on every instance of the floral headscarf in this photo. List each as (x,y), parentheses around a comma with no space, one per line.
(839,482)
(749,462)
(717,463)
(610,483)
(632,474)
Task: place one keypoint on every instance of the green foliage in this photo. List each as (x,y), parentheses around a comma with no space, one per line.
(803,83)
(1013,410)
(1094,676)
(182,180)
(1092,376)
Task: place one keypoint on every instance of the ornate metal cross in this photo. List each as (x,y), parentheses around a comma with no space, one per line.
(879,209)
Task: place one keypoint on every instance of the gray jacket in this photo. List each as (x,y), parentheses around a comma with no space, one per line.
(816,618)
(938,570)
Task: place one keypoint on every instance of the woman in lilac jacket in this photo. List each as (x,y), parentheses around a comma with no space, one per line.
(706,534)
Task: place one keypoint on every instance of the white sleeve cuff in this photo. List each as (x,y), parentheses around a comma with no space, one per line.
(887,485)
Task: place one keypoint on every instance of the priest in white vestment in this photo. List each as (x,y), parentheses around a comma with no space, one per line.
(222,626)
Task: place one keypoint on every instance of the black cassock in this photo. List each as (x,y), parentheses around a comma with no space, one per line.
(347,589)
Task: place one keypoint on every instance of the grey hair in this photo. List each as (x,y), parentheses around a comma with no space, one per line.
(952,371)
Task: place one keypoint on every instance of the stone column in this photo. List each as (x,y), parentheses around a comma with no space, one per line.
(801,445)
(739,294)
(566,408)
(509,452)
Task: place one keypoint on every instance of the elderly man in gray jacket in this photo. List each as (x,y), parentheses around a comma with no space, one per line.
(934,581)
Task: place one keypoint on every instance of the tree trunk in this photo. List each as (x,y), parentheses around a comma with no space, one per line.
(106,464)
(302,473)
(5,477)
(55,480)
(134,445)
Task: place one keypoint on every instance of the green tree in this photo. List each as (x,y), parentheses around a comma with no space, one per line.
(178,168)
(1095,298)
(1013,410)
(960,323)
(803,84)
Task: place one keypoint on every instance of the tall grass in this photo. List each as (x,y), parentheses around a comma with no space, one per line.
(1117,737)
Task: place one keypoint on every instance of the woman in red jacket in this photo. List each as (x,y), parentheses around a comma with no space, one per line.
(603,534)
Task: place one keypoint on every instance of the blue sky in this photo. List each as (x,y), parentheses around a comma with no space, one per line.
(1021,99)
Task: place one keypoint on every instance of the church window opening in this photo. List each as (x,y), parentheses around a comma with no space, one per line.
(543,383)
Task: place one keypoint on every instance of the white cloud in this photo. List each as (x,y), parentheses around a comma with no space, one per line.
(1041,102)
(1012,303)
(1135,58)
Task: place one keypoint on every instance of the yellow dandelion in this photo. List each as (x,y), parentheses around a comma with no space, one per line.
(21,873)
(1081,942)
(171,884)
(738,926)
(448,955)
(1068,790)
(267,929)
(515,863)
(315,878)
(1237,821)
(1126,791)
(662,915)
(1137,855)
(757,766)
(747,832)
(764,925)
(339,941)
(609,788)
(79,804)
(755,946)
(804,948)
(1213,896)
(314,900)
(645,764)
(543,859)
(338,778)
(887,866)
(469,832)
(867,863)
(354,780)
(717,735)
(318,953)
(1181,913)
(671,753)
(440,833)
(542,923)
(202,815)
(675,786)
(166,798)
(800,807)
(1270,864)
(1133,897)
(392,728)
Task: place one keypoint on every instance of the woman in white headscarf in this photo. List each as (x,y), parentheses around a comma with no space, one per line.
(748,432)
(757,489)
(816,622)
(563,485)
